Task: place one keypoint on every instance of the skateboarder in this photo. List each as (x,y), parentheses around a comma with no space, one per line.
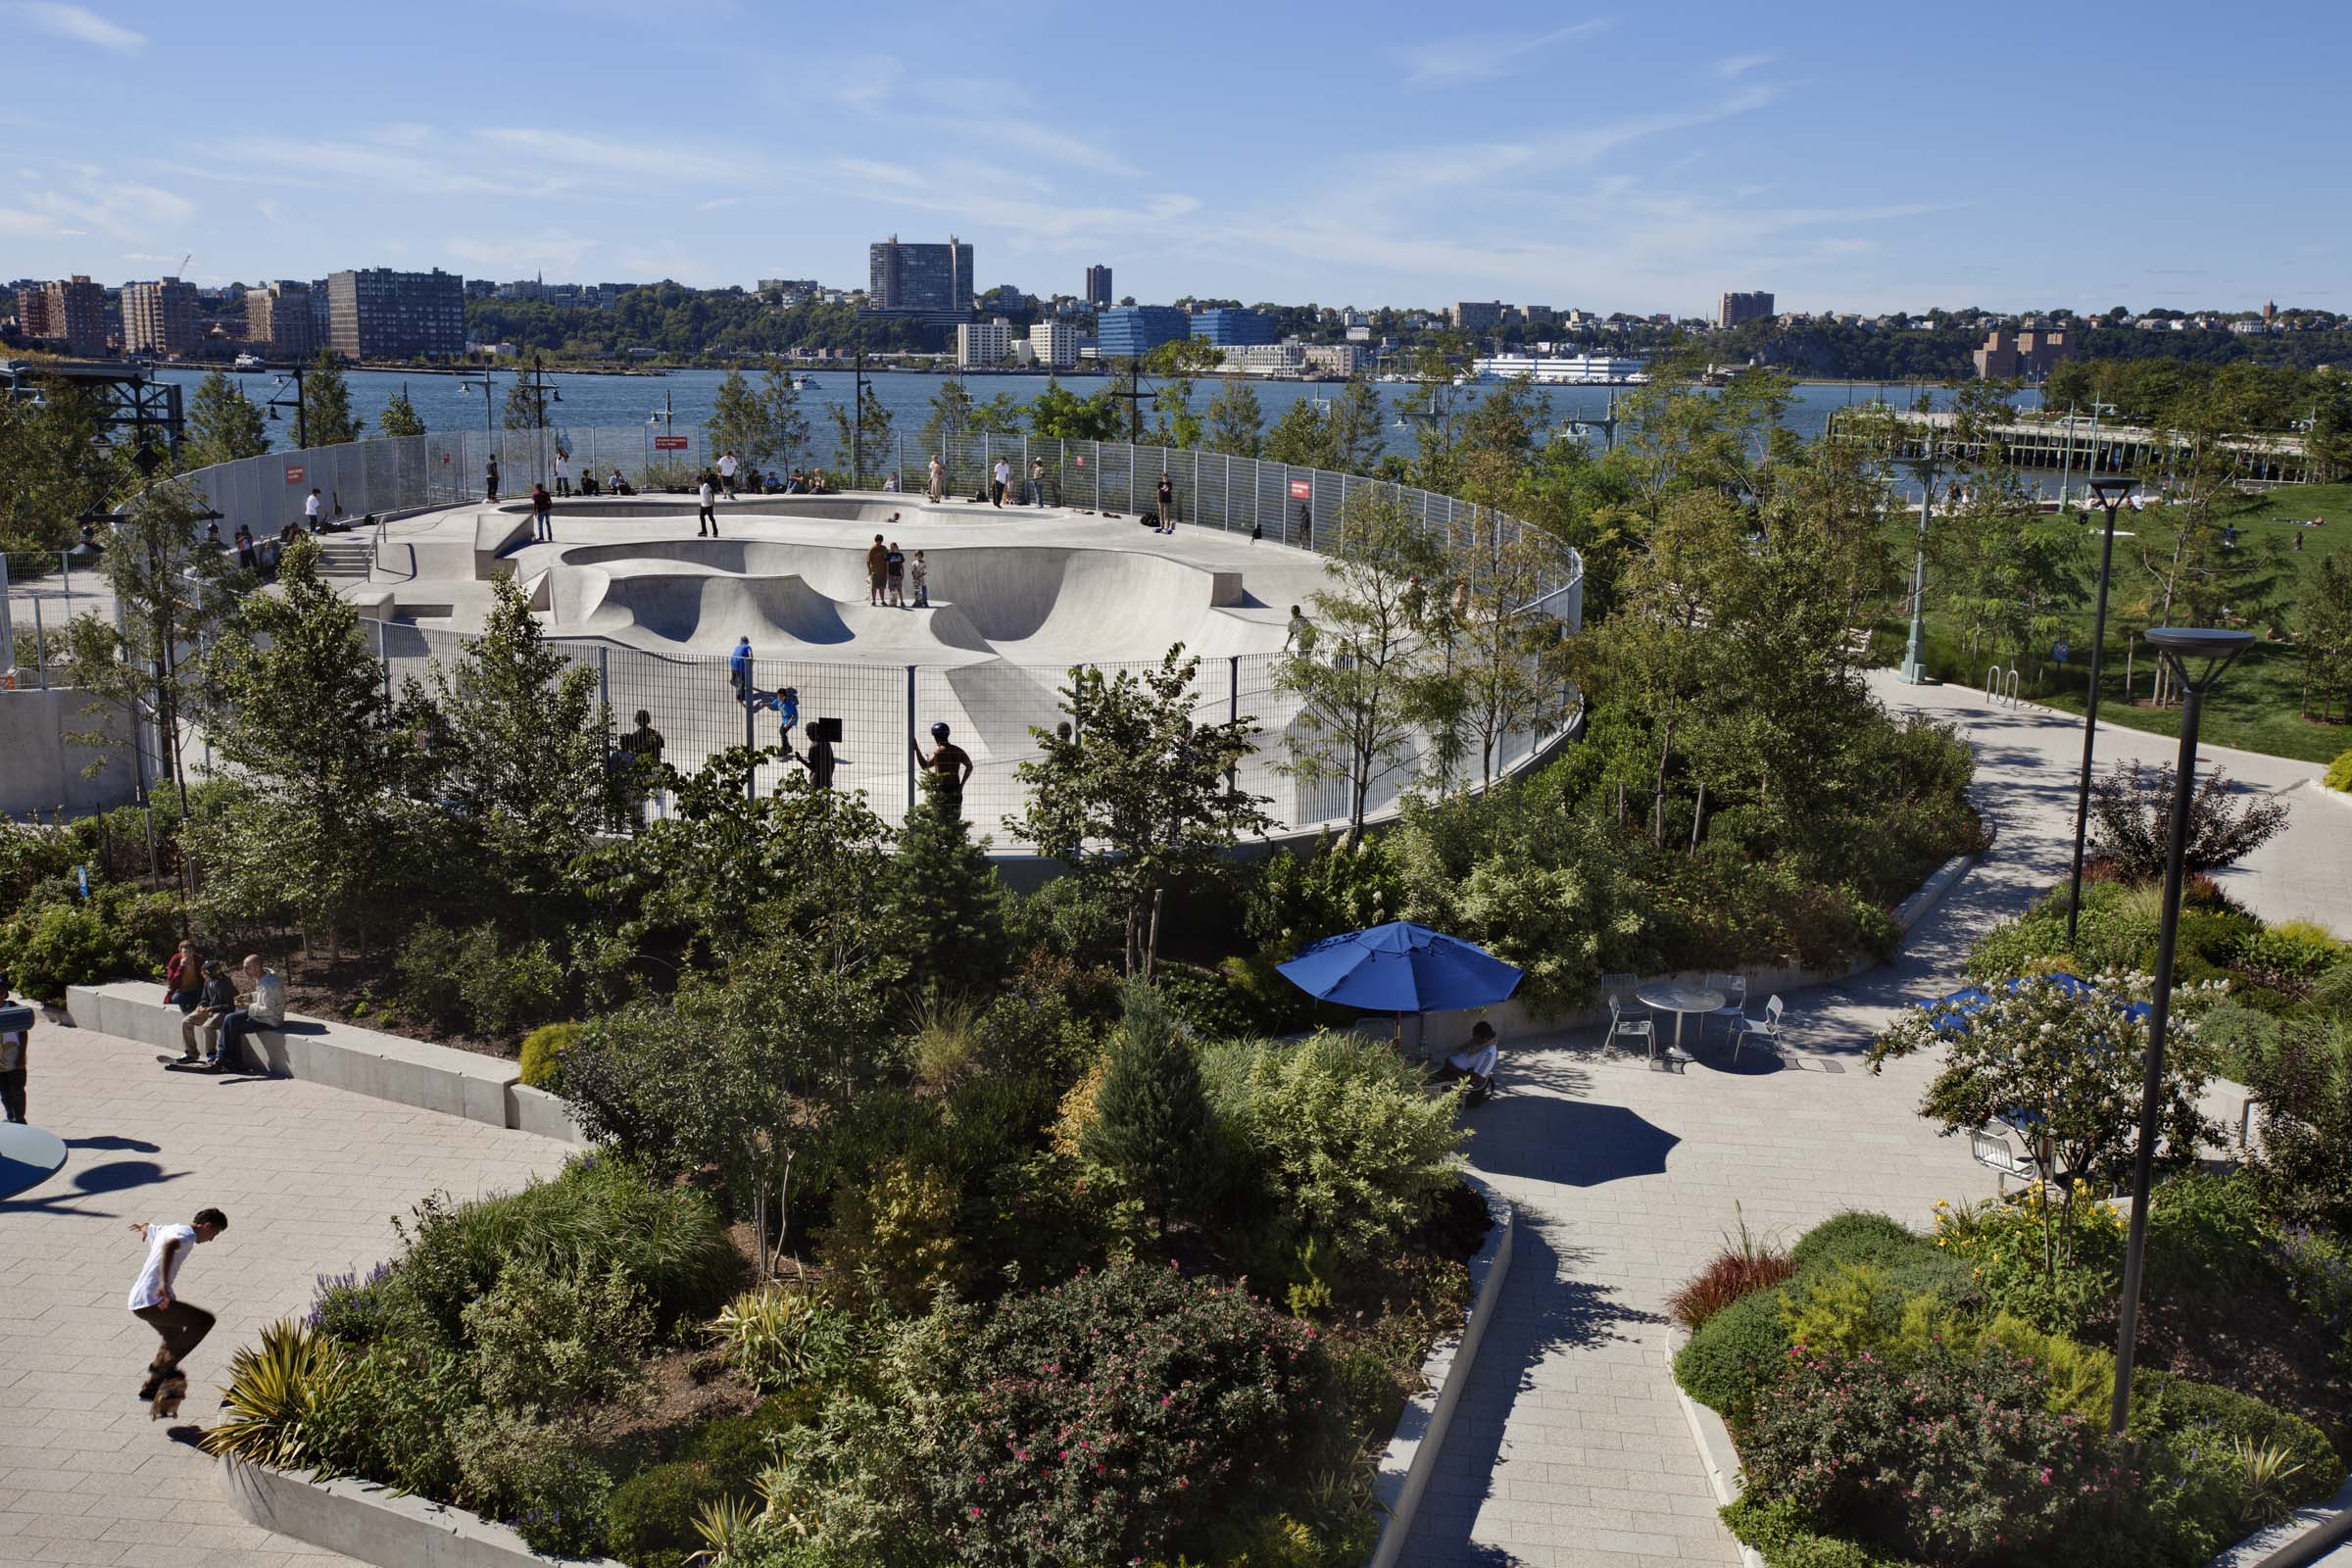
(951,765)
(181,1325)
(877,571)
(739,670)
(893,566)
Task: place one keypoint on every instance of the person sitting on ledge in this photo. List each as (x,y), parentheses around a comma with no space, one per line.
(263,1007)
(1475,1060)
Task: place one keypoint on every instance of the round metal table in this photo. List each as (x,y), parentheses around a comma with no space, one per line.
(1678,997)
(28,1156)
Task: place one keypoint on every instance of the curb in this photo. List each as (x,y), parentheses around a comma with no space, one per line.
(375,1524)
(2320,788)
(1716,1456)
(1412,1454)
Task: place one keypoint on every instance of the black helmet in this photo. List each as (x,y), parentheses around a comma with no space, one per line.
(938,732)
(790,691)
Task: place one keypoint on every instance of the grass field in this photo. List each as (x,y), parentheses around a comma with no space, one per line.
(2257,706)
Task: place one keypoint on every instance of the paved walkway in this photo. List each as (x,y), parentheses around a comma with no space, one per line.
(1569,1446)
(308,1176)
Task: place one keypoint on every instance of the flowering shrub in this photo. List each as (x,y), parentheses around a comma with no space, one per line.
(2056,1265)
(1113,1416)
(2318,1276)
(1955,1460)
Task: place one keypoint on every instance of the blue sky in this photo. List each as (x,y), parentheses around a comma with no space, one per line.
(1643,158)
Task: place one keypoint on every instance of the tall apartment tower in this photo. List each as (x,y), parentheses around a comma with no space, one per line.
(378,314)
(1735,309)
(159,318)
(1097,286)
(74,311)
(920,277)
(281,317)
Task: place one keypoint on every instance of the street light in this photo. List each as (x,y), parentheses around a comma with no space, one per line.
(1915,650)
(2178,646)
(2112,493)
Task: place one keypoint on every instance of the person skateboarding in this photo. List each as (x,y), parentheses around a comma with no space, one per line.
(950,766)
(181,1325)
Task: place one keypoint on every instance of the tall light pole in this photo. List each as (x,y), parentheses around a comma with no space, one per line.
(2178,646)
(2112,493)
(1915,650)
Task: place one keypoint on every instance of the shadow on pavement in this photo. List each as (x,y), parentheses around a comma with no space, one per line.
(1570,1142)
(111,1142)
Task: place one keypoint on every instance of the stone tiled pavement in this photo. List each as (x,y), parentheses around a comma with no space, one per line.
(309,1177)
(1569,1446)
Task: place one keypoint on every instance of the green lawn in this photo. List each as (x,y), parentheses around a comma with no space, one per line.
(2258,705)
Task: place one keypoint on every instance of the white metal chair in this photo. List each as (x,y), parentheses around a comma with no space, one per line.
(1734,1000)
(1641,1029)
(1992,1150)
(1766,1031)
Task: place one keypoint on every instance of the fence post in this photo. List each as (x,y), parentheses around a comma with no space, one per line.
(750,769)
(1098,446)
(1256,473)
(41,645)
(603,703)
(911,756)
(1232,714)
(384,657)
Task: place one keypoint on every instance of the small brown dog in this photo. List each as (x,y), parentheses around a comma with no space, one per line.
(168,1392)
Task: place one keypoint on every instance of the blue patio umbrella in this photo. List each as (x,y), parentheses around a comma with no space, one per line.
(1955,1008)
(1401,968)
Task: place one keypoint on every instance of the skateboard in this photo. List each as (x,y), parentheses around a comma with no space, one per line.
(183,1064)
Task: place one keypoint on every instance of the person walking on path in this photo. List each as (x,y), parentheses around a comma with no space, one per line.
(1167,505)
(939,475)
(16,1037)
(642,748)
(918,576)
(739,670)
(896,564)
(263,1008)
(543,514)
(877,571)
(1000,480)
(726,473)
(489,479)
(562,473)
(708,516)
(1037,481)
(1306,526)
(948,766)
(154,1302)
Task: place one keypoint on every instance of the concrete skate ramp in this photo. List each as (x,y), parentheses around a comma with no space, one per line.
(1035,605)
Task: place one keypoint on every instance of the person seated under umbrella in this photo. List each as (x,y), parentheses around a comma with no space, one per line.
(1475,1060)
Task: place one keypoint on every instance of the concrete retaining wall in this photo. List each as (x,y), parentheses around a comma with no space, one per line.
(375,1525)
(341,1055)
(1412,1454)
(41,769)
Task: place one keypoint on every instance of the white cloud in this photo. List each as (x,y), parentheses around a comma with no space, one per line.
(1741,65)
(556,251)
(77,24)
(16,221)
(1483,56)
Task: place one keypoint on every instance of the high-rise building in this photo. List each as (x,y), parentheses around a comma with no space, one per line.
(1733,309)
(1097,286)
(981,345)
(68,311)
(1131,332)
(159,318)
(919,278)
(1053,342)
(1475,316)
(279,317)
(377,314)
(1228,327)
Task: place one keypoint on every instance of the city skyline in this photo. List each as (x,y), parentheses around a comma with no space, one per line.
(1596,160)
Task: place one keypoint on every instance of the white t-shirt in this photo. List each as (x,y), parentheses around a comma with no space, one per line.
(726,466)
(310,507)
(153,1280)
(707,492)
(1004,471)
(562,469)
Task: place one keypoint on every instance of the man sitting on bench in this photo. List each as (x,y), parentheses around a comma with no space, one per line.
(1474,1061)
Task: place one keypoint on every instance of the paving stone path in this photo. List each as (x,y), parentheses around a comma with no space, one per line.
(1569,1447)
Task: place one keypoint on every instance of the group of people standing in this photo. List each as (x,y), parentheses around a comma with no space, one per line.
(889,571)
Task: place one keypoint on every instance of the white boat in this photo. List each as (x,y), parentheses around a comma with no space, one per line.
(250,362)
(1563,369)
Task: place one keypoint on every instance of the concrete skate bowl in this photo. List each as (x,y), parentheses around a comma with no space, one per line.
(1030,604)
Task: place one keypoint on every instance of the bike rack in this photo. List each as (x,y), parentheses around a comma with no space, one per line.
(2001,686)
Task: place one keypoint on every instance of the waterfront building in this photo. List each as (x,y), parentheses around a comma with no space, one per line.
(69,311)
(1475,316)
(377,314)
(919,278)
(1131,332)
(159,318)
(1231,328)
(1055,341)
(1560,369)
(1338,359)
(1097,286)
(983,345)
(2031,353)
(1267,359)
(1733,310)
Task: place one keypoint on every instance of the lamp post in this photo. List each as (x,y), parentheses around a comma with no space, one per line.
(2112,493)
(467,385)
(278,399)
(2178,646)
(1915,650)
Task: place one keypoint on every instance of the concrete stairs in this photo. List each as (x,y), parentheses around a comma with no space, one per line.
(345,556)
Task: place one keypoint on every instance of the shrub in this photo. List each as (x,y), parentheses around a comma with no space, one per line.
(2056,1266)
(2207,1233)
(1735,1355)
(2302,1164)
(1842,1309)
(1114,1416)
(2297,949)
(274,1396)
(893,1241)
(648,1520)
(1152,1121)
(2339,772)
(778,1339)
(1786,1537)
(535,1476)
(50,944)
(2131,808)
(2205,1414)
(1733,1275)
(1349,1141)
(2319,1277)
(558,1339)
(1856,1237)
(393,1416)
(1952,1460)
(467,980)
(543,1049)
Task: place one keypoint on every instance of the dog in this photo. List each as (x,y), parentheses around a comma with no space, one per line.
(163,1391)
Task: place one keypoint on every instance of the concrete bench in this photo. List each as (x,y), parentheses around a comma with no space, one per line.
(346,1056)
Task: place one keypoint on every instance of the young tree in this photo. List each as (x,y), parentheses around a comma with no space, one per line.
(54,466)
(1059,412)
(951,419)
(2323,627)
(524,405)
(1174,423)
(948,900)
(1140,795)
(1300,437)
(2007,573)
(1506,659)
(865,445)
(516,738)
(1152,1128)
(1352,432)
(1369,687)
(763,425)
(224,425)
(327,416)
(1236,426)
(172,595)
(399,416)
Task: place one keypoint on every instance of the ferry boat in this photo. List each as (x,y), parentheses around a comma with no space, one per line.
(250,362)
